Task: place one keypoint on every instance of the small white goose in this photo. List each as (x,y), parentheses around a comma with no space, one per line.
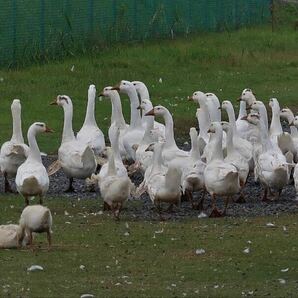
(90,134)
(32,178)
(114,188)
(75,158)
(221,177)
(14,152)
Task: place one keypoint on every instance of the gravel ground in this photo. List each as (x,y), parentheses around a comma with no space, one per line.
(142,209)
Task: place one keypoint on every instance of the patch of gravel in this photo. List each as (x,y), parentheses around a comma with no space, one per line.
(142,209)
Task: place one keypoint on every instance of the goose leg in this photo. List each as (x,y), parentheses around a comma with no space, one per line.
(31,240)
(106,206)
(7,187)
(226,205)
(49,239)
(215,212)
(190,198)
(277,196)
(265,195)
(40,200)
(200,205)
(170,209)
(70,187)
(240,199)
(159,211)
(26,200)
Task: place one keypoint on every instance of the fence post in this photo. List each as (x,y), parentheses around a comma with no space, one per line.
(14,31)
(42,28)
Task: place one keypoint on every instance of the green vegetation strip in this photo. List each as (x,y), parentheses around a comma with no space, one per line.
(223,63)
(94,254)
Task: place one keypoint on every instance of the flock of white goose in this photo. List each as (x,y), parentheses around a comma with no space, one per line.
(222,154)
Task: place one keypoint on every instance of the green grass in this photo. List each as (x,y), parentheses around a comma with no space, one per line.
(223,63)
(164,266)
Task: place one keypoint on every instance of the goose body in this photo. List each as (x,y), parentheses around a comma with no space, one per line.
(75,157)
(32,178)
(14,152)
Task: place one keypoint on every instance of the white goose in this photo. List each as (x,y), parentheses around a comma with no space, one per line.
(171,153)
(241,145)
(90,134)
(235,157)
(135,131)
(14,152)
(271,166)
(75,158)
(161,186)
(117,119)
(114,188)
(213,107)
(245,129)
(32,178)
(143,93)
(221,177)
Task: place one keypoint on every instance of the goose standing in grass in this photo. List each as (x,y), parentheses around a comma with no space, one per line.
(90,134)
(117,119)
(75,158)
(35,219)
(14,152)
(135,131)
(143,93)
(221,177)
(235,158)
(271,167)
(115,188)
(32,178)
(162,184)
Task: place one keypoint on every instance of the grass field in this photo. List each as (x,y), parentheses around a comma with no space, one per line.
(151,259)
(223,63)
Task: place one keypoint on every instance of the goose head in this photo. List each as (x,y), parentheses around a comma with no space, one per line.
(198,97)
(16,105)
(252,118)
(92,90)
(248,96)
(274,104)
(40,127)
(140,87)
(215,127)
(257,105)
(124,86)
(61,100)
(107,91)
(226,126)
(295,122)
(287,114)
(225,105)
(157,111)
(145,105)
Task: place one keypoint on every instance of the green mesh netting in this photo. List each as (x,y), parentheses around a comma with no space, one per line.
(32,29)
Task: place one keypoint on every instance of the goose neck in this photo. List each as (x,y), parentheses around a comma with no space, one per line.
(231,116)
(195,151)
(216,138)
(275,127)
(34,153)
(135,117)
(242,110)
(229,141)
(117,115)
(90,117)
(17,135)
(169,129)
(68,134)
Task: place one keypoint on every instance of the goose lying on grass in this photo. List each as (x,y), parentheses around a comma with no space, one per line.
(9,237)
(32,178)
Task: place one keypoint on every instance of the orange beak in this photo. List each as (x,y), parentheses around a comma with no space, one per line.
(244,118)
(116,87)
(190,98)
(150,113)
(54,103)
(239,99)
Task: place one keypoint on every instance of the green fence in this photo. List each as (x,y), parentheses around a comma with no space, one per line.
(40,29)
